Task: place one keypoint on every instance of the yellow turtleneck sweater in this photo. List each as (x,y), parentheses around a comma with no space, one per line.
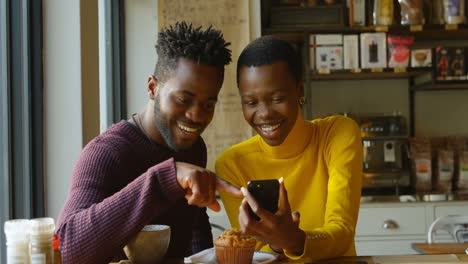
(321,163)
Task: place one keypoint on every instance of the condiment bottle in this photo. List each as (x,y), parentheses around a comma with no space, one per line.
(17,241)
(57,254)
(41,236)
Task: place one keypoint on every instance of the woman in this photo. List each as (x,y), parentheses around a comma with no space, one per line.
(319,161)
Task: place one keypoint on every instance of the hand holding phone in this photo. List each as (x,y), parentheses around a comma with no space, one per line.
(266,193)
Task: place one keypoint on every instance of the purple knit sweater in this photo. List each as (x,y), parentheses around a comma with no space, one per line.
(121,182)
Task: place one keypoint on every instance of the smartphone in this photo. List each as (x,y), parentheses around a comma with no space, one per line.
(266,193)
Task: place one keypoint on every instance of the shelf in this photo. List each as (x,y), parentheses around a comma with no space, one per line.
(341,75)
(429,32)
(376,138)
(364,75)
(317,16)
(315,28)
(296,25)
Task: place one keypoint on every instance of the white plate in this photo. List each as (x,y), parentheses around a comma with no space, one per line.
(208,256)
(260,257)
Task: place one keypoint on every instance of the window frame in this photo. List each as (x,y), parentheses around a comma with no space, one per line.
(112,104)
(21,125)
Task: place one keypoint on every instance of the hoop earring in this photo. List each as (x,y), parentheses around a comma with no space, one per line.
(302,100)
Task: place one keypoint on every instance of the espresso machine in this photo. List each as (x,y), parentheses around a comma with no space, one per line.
(386,160)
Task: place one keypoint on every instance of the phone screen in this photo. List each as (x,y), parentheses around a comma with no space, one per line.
(266,192)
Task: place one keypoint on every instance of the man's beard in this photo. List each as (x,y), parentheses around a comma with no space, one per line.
(161,122)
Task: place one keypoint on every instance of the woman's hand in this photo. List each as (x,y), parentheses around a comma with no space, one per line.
(280,230)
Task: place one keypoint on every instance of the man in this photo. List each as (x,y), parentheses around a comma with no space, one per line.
(149,169)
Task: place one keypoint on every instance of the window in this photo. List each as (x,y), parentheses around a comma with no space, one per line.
(112,76)
(21,145)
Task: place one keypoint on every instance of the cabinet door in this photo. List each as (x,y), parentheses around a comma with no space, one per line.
(443,210)
(388,247)
(391,221)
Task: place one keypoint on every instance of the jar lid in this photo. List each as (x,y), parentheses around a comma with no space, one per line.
(17,229)
(42,225)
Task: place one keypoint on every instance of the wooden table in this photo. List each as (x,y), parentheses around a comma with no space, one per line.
(440,248)
(423,259)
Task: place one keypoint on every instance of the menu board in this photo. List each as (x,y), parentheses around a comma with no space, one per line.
(232,18)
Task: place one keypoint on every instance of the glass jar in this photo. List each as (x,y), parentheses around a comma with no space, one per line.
(41,237)
(17,241)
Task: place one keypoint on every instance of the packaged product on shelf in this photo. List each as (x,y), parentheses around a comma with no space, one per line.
(383,12)
(445,169)
(411,12)
(421,159)
(421,58)
(442,59)
(454,11)
(437,143)
(312,48)
(457,69)
(437,12)
(359,12)
(373,50)
(370,12)
(329,52)
(457,145)
(462,181)
(422,172)
(351,51)
(399,50)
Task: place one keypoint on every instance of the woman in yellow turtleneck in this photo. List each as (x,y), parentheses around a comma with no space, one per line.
(318,162)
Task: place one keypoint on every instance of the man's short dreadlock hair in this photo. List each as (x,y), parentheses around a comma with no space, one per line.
(268,50)
(185,41)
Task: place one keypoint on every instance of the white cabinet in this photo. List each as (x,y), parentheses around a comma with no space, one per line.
(391,221)
(385,228)
(457,209)
(390,228)
(401,246)
(219,220)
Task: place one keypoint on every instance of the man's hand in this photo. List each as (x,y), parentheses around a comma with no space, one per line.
(201,184)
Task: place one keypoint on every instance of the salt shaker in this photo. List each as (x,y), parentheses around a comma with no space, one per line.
(17,241)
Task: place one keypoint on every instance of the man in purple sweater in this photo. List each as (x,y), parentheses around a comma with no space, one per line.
(150,169)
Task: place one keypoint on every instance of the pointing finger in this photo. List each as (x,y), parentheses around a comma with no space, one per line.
(214,206)
(224,186)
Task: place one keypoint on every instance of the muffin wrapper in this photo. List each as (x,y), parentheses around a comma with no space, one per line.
(234,255)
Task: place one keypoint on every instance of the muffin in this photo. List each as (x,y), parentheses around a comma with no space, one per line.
(233,247)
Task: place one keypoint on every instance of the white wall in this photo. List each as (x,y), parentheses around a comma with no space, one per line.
(441,113)
(437,113)
(62,92)
(364,96)
(141,28)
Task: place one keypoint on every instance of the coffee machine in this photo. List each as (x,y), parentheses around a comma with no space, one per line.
(386,163)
